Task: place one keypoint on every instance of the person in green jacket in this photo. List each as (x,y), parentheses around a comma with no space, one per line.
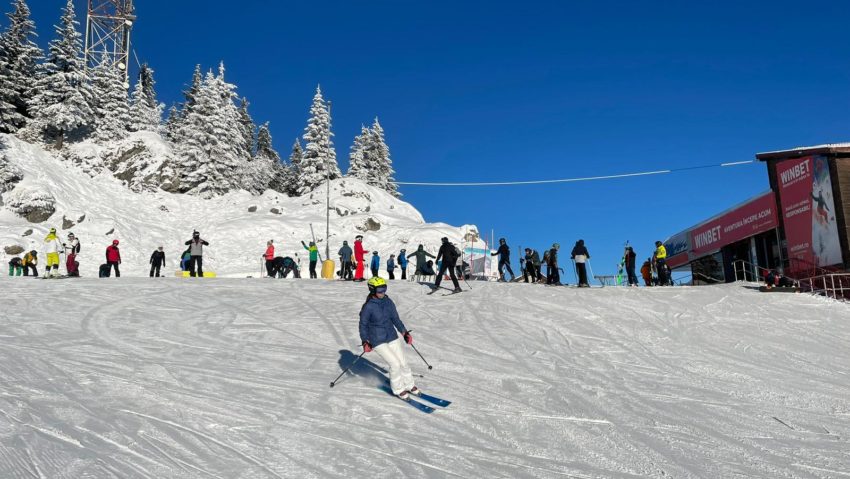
(314,257)
(421,260)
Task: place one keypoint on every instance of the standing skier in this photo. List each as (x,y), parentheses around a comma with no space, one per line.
(269,257)
(421,260)
(52,245)
(314,257)
(379,322)
(532,266)
(157,261)
(391,266)
(629,260)
(31,261)
(196,250)
(580,255)
(504,253)
(449,257)
(552,274)
(72,248)
(345,261)
(375,265)
(113,259)
(360,257)
(402,263)
(660,259)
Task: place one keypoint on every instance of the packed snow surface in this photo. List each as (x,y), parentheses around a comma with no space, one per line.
(229,378)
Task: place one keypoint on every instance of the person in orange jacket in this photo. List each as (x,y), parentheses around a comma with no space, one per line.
(269,256)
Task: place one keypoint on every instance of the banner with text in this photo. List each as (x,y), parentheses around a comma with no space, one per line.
(752,218)
(808,210)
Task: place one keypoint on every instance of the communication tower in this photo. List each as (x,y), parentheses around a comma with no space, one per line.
(108,26)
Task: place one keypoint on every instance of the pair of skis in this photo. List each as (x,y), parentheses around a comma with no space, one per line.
(419,405)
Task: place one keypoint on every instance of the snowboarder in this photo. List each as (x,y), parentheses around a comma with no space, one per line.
(196,251)
(52,246)
(553,276)
(402,263)
(449,256)
(660,260)
(421,261)
(157,261)
(185,258)
(379,321)
(16,267)
(72,248)
(775,279)
(345,261)
(580,255)
(646,272)
(629,261)
(532,266)
(504,253)
(269,257)
(360,257)
(375,265)
(113,259)
(30,261)
(314,258)
(391,266)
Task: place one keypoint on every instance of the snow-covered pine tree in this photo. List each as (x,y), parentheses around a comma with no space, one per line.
(145,112)
(266,154)
(377,157)
(247,125)
(19,56)
(293,172)
(357,167)
(212,146)
(111,110)
(61,104)
(319,159)
(172,124)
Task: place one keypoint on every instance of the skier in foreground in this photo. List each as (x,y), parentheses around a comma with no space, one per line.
(379,322)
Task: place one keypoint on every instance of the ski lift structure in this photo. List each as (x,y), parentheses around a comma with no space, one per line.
(108,27)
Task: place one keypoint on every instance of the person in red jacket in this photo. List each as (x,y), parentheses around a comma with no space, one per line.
(113,258)
(269,255)
(359,256)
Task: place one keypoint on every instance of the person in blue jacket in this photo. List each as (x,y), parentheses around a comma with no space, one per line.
(379,328)
(391,266)
(402,263)
(375,265)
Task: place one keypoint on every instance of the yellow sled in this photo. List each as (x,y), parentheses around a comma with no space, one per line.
(185,274)
(328,269)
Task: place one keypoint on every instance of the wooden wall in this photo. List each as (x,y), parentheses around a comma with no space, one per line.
(839,170)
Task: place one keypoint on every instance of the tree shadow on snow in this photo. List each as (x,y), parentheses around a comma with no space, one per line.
(364,368)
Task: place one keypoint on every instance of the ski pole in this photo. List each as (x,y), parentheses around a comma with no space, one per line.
(575,271)
(420,354)
(348,368)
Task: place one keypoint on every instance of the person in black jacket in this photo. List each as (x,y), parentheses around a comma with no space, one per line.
(157,261)
(532,266)
(552,274)
(580,255)
(504,253)
(449,258)
(629,261)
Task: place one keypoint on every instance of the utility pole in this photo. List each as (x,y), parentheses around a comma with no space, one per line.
(108,25)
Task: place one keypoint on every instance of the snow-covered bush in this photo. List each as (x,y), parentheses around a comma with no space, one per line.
(32,204)
(10,175)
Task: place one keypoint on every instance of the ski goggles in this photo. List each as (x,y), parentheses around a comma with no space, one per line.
(381,289)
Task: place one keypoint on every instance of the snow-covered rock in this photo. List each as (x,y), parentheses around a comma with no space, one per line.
(32,204)
(237,224)
(10,175)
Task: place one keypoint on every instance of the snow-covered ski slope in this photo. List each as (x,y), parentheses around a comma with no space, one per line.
(229,378)
(144,221)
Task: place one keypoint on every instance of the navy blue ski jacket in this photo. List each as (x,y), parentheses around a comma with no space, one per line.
(390,264)
(379,321)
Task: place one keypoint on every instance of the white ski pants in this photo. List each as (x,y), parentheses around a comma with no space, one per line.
(401,379)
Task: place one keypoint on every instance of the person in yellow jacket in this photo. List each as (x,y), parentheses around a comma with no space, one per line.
(660,258)
(52,246)
(30,261)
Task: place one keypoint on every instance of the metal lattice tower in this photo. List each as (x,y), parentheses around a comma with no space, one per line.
(108,26)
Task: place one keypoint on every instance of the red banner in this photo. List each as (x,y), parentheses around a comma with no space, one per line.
(808,210)
(754,217)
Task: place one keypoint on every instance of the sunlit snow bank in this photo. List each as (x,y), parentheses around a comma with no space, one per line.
(237,225)
(228,378)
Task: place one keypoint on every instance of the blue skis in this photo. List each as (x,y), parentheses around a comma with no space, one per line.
(418,405)
(433,399)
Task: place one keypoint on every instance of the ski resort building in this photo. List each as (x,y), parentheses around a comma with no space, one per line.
(802,224)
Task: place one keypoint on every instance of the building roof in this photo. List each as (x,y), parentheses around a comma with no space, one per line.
(838,149)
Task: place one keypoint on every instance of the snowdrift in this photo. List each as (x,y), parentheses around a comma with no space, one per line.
(228,378)
(82,196)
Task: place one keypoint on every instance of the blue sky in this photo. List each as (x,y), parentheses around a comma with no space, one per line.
(497,91)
